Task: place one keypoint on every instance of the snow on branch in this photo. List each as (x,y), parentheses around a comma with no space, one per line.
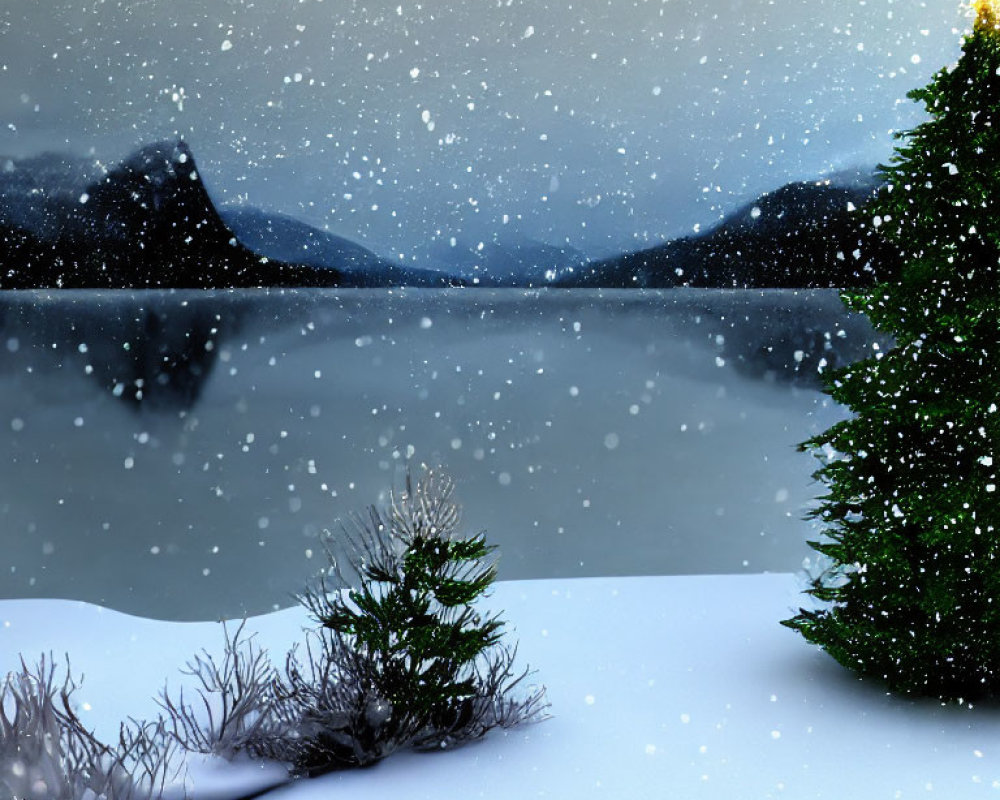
(235,697)
(400,659)
(46,751)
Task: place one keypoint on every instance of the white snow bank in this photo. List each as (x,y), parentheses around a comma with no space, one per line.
(661,687)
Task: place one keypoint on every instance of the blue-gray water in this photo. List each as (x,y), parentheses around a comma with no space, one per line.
(179,454)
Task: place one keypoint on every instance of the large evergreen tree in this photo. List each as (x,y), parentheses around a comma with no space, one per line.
(911,592)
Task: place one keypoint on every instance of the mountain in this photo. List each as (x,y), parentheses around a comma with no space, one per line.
(287,239)
(803,235)
(512,262)
(36,191)
(149,223)
(146,223)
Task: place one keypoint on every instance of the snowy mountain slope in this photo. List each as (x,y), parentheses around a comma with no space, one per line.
(147,222)
(505,261)
(284,238)
(800,235)
(37,192)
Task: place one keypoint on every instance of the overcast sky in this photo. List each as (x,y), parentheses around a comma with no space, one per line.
(603,124)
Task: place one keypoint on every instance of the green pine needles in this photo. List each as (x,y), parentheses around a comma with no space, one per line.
(401,659)
(437,663)
(417,622)
(911,593)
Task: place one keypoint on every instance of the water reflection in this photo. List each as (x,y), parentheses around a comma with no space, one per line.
(178,454)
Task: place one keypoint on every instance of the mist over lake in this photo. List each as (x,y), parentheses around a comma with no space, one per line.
(178,454)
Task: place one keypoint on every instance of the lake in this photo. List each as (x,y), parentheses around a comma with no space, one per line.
(180,454)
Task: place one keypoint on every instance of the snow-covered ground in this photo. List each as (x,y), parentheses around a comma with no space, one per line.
(589,433)
(661,687)
(608,442)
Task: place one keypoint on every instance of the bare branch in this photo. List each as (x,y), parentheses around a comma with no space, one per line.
(234,696)
(330,714)
(46,751)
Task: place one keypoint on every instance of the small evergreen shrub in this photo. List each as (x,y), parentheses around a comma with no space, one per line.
(401,659)
(912,512)
(434,658)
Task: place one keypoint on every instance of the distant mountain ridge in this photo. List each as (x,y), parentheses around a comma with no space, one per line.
(808,234)
(149,223)
(146,223)
(512,262)
(288,239)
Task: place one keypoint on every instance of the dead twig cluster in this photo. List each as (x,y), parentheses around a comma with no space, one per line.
(47,752)
(400,659)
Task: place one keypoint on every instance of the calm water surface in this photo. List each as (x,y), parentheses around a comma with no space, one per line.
(180,454)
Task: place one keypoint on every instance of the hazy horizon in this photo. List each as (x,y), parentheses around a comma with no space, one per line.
(601,126)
